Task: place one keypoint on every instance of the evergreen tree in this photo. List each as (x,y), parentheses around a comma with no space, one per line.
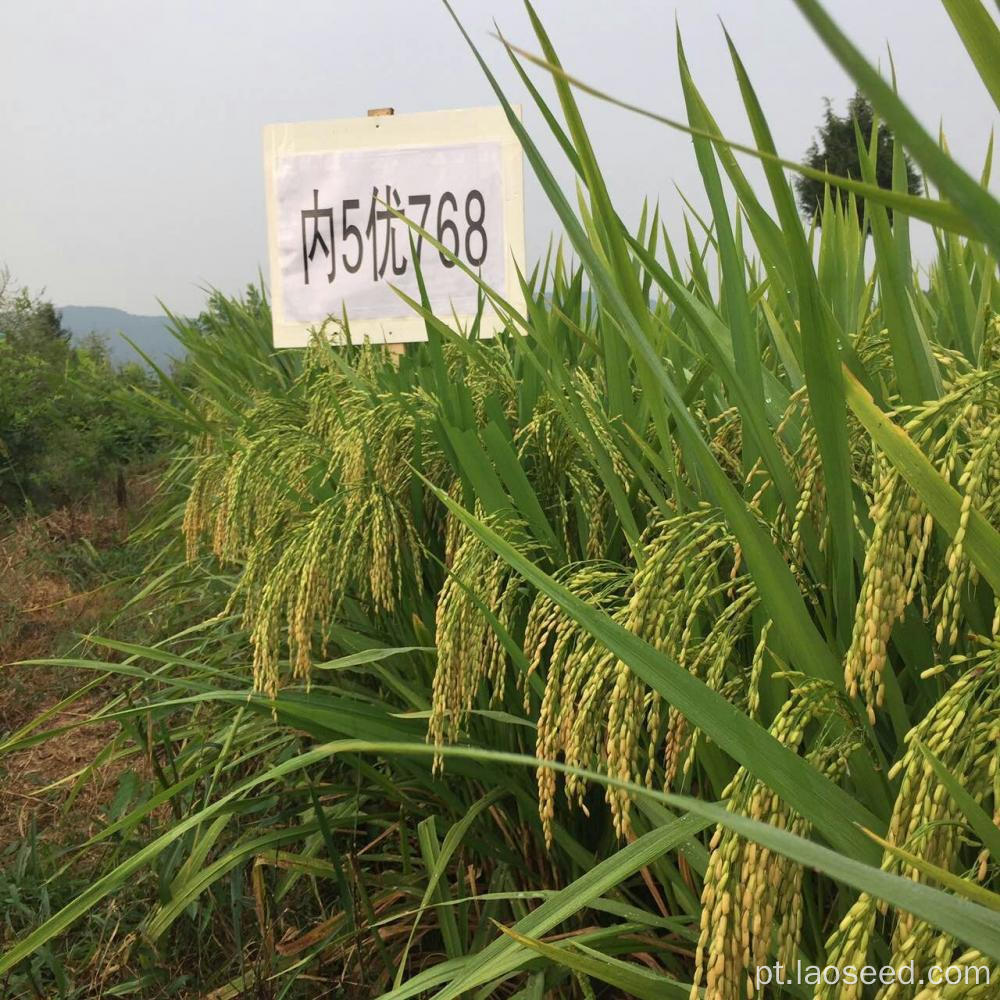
(836,151)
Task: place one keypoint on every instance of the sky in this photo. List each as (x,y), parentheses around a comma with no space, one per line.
(130,160)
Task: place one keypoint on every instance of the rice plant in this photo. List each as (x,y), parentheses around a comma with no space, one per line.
(649,644)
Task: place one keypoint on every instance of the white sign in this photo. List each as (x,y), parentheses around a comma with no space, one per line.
(335,244)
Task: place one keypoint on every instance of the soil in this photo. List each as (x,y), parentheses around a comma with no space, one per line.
(44,609)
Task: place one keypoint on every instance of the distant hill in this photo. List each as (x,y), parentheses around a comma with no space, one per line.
(149,333)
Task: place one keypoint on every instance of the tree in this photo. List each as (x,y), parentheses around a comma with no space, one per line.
(30,325)
(836,152)
(68,417)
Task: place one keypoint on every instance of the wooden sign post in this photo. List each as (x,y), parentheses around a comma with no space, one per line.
(395,351)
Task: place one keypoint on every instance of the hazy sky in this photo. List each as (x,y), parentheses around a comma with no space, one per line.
(130,162)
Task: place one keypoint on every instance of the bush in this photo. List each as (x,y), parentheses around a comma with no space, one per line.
(68,417)
(690,579)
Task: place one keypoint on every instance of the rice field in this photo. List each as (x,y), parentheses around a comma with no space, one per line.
(630,653)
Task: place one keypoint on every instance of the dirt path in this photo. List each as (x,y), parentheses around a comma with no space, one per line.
(42,611)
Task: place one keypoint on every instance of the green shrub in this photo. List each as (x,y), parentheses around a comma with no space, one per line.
(68,417)
(661,632)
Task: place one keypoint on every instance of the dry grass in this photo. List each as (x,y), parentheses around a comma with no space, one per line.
(29,775)
(44,607)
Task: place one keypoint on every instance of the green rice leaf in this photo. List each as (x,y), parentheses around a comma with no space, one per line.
(981,38)
(982,540)
(980,209)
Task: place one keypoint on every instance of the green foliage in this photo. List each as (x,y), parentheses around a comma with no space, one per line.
(835,150)
(68,417)
(662,631)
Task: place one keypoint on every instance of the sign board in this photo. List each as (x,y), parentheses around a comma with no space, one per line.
(334,245)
